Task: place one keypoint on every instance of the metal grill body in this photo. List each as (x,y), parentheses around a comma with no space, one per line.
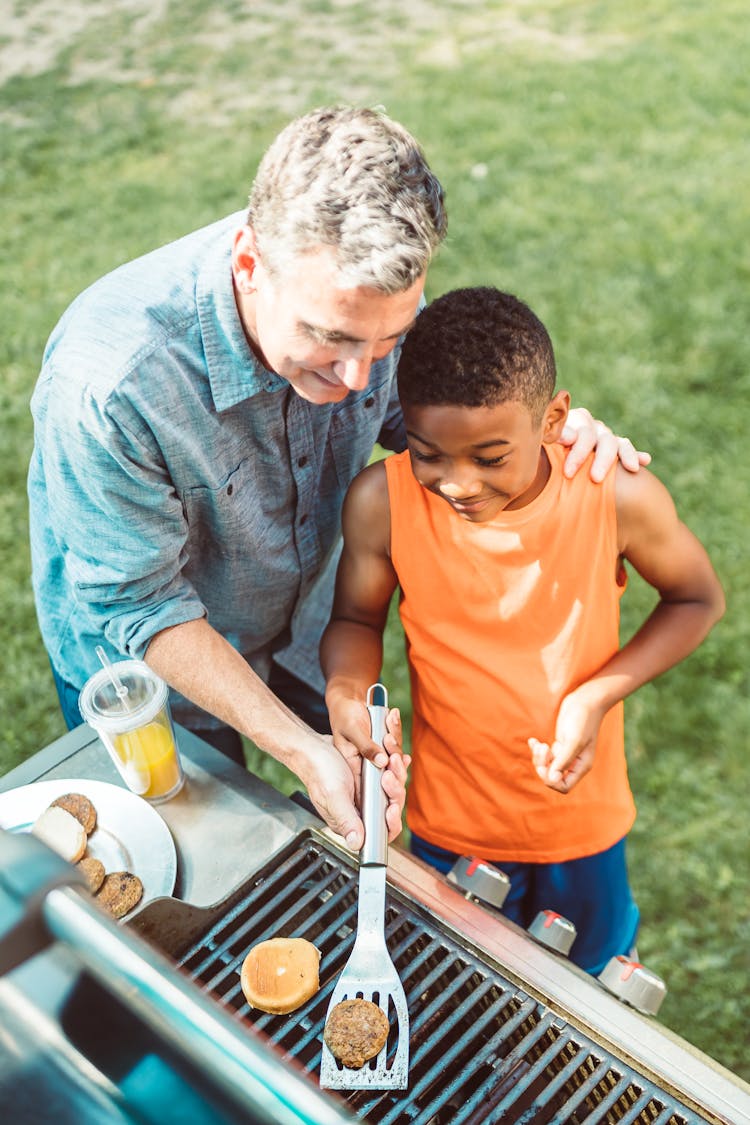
(501,1029)
(482,1049)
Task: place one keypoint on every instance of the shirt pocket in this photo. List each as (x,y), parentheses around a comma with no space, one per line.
(222,518)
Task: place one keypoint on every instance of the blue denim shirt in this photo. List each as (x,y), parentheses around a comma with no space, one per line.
(174,477)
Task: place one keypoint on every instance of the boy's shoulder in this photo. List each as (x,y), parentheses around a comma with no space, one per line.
(642,503)
(636,491)
(370,486)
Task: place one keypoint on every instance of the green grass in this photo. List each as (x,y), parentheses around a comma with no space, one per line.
(595,162)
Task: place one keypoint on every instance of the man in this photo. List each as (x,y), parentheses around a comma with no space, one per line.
(199,416)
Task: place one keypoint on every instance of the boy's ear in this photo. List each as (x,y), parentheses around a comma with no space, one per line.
(555,417)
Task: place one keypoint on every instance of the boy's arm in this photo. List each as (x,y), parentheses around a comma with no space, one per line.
(351,650)
(670,558)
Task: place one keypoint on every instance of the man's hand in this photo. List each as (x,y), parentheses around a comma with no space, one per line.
(583,433)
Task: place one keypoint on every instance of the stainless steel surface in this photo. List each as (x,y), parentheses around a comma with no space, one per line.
(224,823)
(634,983)
(553,931)
(42,1077)
(370,973)
(373,799)
(483,1047)
(185,1020)
(480,880)
(228,825)
(667,1059)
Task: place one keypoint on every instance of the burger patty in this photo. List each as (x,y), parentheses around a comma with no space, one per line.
(80,807)
(356,1031)
(120,892)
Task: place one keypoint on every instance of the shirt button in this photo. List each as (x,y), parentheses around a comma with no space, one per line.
(302,519)
(230,489)
(302,462)
(369,402)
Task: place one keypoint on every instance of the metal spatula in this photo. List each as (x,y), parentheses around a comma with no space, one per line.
(370,973)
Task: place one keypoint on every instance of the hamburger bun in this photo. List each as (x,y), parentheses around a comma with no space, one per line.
(280,974)
(356,1030)
(61,832)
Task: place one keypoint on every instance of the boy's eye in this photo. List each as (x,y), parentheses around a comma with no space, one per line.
(419,456)
(488,462)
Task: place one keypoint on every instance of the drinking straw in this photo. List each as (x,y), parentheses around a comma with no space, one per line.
(118,685)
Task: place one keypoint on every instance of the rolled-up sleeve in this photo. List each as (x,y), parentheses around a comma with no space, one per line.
(119,522)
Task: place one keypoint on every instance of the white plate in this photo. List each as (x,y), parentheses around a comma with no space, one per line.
(129,835)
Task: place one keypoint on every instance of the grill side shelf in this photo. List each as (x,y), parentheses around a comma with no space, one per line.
(482,1049)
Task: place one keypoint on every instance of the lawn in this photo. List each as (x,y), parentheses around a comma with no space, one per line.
(595,159)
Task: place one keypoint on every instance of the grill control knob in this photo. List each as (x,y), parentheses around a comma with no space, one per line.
(479,879)
(554,931)
(634,983)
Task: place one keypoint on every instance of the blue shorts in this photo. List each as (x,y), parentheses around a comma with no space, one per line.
(593,893)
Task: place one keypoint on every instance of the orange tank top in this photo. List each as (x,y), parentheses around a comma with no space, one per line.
(502,619)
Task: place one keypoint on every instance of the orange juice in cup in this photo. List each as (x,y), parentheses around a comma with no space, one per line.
(126,704)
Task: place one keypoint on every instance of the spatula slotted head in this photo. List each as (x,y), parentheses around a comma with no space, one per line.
(388,1070)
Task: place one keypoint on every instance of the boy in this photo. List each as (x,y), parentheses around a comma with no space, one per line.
(510,577)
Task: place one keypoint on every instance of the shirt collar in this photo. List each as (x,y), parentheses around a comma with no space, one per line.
(234,371)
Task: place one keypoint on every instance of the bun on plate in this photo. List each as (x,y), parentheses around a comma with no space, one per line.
(280,974)
(61,832)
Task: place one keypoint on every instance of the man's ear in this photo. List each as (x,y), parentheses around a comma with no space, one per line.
(245,259)
(555,417)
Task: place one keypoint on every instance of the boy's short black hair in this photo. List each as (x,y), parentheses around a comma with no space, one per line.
(477,347)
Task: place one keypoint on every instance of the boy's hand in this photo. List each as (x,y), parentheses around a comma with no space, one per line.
(350,723)
(583,433)
(570,757)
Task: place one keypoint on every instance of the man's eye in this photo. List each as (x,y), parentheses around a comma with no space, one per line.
(318,337)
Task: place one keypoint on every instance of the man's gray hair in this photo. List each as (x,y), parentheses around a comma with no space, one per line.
(356,181)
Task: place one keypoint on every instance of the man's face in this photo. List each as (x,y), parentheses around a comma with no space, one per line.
(320,337)
(480,460)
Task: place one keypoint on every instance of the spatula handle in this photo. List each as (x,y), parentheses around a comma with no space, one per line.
(374,800)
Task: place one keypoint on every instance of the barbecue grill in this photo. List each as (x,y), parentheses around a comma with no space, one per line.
(146,1020)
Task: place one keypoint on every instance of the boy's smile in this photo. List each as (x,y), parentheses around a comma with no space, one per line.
(482,459)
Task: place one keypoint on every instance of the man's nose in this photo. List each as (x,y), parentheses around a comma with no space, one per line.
(354,371)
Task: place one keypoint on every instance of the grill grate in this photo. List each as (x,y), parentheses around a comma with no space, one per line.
(481,1049)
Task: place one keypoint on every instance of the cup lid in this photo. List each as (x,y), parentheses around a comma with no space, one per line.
(102,708)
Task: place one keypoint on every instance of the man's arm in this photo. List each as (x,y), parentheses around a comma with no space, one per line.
(197,661)
(672,560)
(352,647)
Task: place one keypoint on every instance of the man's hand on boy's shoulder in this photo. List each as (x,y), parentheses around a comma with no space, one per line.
(582,432)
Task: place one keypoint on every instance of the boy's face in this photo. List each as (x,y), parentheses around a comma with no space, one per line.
(483,459)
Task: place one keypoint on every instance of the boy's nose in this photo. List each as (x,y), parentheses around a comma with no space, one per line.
(461,486)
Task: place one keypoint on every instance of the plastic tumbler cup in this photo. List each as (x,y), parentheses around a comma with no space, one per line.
(136,727)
